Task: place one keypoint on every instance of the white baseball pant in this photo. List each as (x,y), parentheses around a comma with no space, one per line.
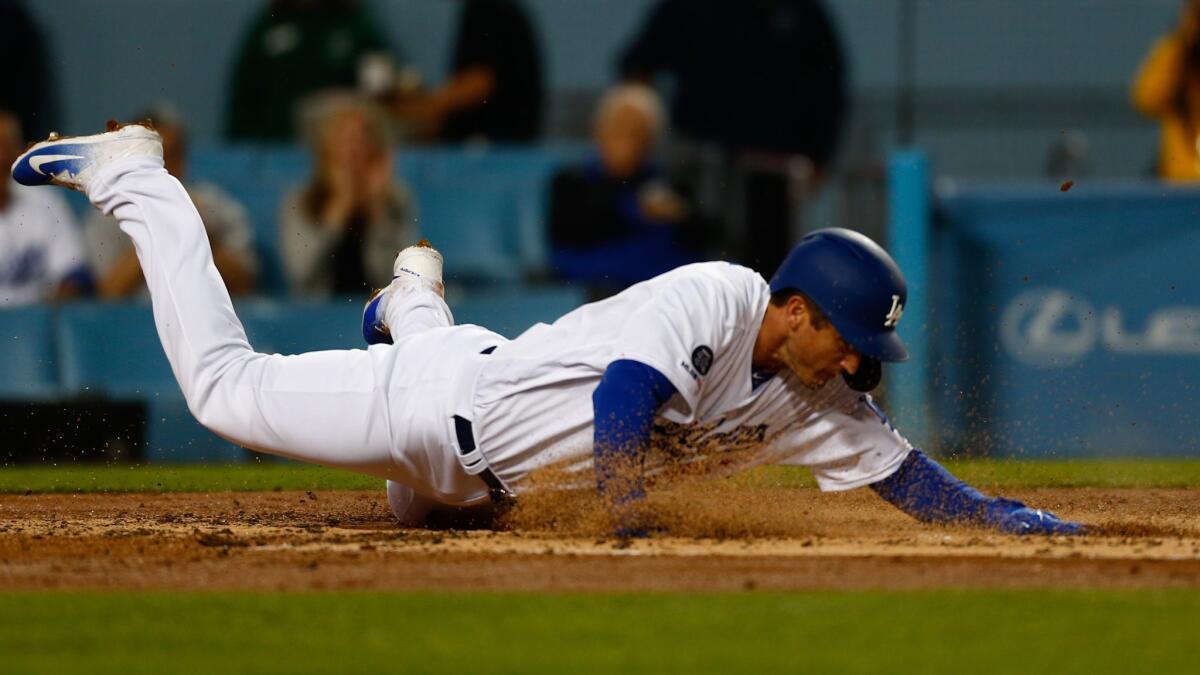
(383,411)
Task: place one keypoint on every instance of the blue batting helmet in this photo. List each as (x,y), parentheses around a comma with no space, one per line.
(855,283)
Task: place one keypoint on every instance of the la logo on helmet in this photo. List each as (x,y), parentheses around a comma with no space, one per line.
(894,314)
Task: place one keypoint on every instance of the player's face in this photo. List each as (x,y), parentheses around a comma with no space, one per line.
(816,353)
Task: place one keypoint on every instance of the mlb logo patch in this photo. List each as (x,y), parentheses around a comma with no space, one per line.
(702,358)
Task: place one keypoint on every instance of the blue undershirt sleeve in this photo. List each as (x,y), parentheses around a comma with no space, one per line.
(928,492)
(624,403)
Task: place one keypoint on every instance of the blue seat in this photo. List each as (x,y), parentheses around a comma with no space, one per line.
(475,228)
(295,328)
(510,311)
(28,355)
(113,351)
(488,206)
(298,327)
(111,348)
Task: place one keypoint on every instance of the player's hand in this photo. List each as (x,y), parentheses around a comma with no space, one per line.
(1013,517)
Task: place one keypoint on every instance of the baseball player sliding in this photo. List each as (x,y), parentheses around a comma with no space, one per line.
(703,371)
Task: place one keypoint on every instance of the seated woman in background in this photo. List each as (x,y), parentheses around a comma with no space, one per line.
(113,261)
(1167,88)
(615,220)
(340,232)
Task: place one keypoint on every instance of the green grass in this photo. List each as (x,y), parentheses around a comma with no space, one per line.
(180,478)
(894,632)
(987,473)
(1131,473)
(291,476)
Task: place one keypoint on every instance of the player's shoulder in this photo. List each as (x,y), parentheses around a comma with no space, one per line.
(735,284)
(720,276)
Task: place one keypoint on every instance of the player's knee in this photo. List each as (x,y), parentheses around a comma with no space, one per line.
(212,397)
(209,416)
(410,508)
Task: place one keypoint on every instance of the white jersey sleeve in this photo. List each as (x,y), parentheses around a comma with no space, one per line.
(689,323)
(850,444)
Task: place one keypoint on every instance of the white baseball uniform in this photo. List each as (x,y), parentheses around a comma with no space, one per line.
(697,326)
(388,410)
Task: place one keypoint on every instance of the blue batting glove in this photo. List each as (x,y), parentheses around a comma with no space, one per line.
(1013,517)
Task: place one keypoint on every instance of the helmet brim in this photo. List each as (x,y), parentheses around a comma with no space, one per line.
(883,345)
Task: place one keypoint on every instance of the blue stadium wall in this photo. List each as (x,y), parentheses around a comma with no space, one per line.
(1062,320)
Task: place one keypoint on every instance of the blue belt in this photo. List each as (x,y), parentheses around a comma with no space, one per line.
(466,444)
(499,494)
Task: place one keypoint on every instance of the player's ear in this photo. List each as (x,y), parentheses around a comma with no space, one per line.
(797,312)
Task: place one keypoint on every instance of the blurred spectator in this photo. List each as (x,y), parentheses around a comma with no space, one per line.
(340,233)
(495,90)
(113,259)
(615,220)
(26,89)
(1167,88)
(762,80)
(296,48)
(41,252)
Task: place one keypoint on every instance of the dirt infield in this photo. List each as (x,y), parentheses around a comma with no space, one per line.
(720,540)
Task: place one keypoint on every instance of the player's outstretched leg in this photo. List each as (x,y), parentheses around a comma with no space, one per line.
(330,408)
(413,302)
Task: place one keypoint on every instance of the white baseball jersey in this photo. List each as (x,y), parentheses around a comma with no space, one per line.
(39,246)
(697,326)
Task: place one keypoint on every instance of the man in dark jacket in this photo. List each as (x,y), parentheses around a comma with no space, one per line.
(495,88)
(752,77)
